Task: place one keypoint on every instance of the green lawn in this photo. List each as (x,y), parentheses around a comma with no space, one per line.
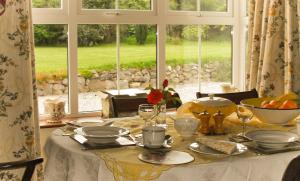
(54,59)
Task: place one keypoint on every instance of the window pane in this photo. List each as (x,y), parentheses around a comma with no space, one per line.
(183,5)
(213,5)
(51,63)
(46,3)
(135,4)
(117,4)
(138,56)
(182,60)
(216,64)
(96,64)
(98,4)
(183,51)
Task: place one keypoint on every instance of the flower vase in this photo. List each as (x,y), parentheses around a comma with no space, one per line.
(161,111)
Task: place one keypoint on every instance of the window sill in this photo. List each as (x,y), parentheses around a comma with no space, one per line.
(44,124)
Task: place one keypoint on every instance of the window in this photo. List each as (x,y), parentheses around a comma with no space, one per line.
(196,5)
(46,3)
(51,63)
(117,4)
(97,64)
(89,46)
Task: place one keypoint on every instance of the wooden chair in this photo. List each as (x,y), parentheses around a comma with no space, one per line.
(292,172)
(29,166)
(123,104)
(235,97)
(127,104)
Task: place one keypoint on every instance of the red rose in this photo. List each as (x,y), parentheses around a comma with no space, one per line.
(165,83)
(2,6)
(155,96)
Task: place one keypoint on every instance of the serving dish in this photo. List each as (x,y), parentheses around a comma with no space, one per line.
(269,115)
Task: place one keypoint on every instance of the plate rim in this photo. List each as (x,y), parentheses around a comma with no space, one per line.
(125,132)
(221,153)
(273,142)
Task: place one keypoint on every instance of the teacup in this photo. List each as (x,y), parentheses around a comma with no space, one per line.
(153,136)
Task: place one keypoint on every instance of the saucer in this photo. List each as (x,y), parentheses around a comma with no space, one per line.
(170,158)
(163,149)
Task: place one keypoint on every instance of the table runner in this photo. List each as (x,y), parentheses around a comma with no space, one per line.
(125,165)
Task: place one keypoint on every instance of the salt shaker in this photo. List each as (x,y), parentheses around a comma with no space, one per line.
(219,118)
(204,117)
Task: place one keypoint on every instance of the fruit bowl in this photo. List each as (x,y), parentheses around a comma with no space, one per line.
(270,115)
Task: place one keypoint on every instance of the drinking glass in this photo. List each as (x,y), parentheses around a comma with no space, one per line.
(244,114)
(146,112)
(161,116)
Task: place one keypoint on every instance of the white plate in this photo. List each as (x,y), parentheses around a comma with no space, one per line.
(90,122)
(272,138)
(101,132)
(170,158)
(200,148)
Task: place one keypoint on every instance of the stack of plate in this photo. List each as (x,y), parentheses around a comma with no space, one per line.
(272,139)
(101,134)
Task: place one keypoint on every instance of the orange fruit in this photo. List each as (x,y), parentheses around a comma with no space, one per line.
(275,103)
(268,106)
(289,104)
(264,103)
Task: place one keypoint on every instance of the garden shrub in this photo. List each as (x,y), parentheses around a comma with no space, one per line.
(87,74)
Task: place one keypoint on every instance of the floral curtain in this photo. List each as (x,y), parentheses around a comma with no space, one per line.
(19,129)
(273,47)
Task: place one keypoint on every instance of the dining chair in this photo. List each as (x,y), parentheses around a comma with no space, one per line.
(29,166)
(126,105)
(235,97)
(292,172)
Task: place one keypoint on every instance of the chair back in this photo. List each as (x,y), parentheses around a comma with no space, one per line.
(126,105)
(235,97)
(292,172)
(29,166)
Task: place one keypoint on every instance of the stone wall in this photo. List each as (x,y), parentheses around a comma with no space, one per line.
(131,78)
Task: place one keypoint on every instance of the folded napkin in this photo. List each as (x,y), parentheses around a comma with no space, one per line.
(219,145)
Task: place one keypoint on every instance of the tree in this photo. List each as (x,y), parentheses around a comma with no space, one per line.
(98,4)
(141,32)
(50,34)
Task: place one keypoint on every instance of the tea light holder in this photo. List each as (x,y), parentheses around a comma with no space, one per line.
(55,108)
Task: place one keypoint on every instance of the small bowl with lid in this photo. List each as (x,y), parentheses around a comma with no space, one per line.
(186,126)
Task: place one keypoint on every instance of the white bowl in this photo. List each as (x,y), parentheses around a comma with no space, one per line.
(271,116)
(186,127)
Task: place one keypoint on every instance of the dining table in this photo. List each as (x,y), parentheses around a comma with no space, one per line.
(67,160)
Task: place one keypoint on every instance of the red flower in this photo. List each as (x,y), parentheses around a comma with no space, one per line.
(155,96)
(165,83)
(2,6)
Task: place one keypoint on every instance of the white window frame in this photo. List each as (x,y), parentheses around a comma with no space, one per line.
(72,15)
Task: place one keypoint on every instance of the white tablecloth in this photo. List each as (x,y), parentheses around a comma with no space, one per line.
(67,162)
